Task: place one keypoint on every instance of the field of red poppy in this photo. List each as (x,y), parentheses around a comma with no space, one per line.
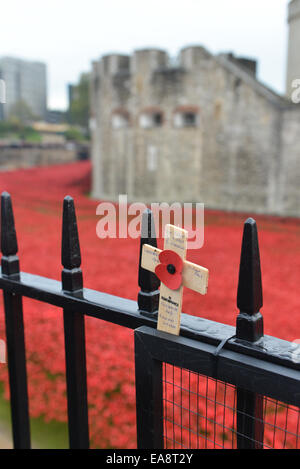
(110,265)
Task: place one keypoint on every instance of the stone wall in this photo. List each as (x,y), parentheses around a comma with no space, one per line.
(243,153)
(289,173)
(13,158)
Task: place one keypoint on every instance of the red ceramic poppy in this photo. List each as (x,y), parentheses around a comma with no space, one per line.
(169,271)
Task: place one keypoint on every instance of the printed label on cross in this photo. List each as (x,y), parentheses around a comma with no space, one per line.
(175,273)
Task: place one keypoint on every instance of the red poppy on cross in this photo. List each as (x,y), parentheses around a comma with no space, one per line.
(169,271)
(175,273)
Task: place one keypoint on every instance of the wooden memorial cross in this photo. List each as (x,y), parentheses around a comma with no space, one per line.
(171,267)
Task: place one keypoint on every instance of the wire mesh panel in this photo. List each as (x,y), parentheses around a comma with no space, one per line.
(282,425)
(200,413)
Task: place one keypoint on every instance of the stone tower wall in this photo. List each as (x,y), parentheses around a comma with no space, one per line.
(293,63)
(243,154)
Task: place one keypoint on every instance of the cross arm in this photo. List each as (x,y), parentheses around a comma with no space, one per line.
(194,276)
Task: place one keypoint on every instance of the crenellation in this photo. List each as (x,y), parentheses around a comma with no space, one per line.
(193,57)
(148,60)
(113,63)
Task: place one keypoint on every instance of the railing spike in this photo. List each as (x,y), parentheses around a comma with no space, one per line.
(249,327)
(14,325)
(70,252)
(148,297)
(74,331)
(249,296)
(9,245)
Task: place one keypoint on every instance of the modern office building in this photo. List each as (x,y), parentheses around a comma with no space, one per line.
(26,84)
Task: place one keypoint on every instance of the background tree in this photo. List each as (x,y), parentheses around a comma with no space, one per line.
(21,112)
(79,102)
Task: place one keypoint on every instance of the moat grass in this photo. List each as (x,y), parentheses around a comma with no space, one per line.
(44,435)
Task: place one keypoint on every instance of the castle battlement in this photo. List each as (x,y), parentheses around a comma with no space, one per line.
(152,71)
(148,61)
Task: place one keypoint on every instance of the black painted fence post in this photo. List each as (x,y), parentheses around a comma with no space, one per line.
(148,372)
(148,296)
(74,329)
(14,323)
(249,327)
(149,397)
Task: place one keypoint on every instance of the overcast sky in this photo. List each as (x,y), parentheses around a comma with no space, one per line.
(69,34)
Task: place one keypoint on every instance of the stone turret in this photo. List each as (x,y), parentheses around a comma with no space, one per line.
(293,64)
(145,61)
(193,57)
(114,63)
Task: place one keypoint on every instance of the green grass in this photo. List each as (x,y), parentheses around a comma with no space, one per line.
(29,137)
(50,435)
(33,137)
(9,136)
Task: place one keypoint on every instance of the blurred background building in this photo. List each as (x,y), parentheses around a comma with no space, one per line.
(26,88)
(30,133)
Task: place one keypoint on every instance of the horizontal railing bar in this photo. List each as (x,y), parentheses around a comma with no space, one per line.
(107,307)
(92,303)
(125,313)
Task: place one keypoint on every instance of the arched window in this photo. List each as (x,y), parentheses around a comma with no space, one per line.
(120,119)
(186,116)
(150,118)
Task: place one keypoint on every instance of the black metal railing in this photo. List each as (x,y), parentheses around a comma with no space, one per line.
(253,371)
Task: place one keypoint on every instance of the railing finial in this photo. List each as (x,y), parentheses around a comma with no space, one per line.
(148,297)
(70,250)
(249,296)
(9,245)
